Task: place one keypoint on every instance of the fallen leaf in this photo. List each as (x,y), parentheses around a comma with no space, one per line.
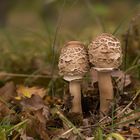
(8,92)
(134,130)
(29,91)
(122,78)
(35,108)
(123,81)
(34,103)
(42,132)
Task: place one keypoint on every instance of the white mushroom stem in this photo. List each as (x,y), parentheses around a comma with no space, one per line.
(106,91)
(75,91)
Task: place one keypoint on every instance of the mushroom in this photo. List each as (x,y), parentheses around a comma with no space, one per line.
(73,64)
(106,55)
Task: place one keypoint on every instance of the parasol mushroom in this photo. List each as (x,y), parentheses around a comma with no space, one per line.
(73,64)
(106,55)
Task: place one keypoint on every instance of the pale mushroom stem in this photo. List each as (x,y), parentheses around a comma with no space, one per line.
(106,92)
(75,91)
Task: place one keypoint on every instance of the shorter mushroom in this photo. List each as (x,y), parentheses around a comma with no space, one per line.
(73,64)
(105,54)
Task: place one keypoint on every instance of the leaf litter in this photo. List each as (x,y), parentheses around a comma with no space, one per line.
(49,119)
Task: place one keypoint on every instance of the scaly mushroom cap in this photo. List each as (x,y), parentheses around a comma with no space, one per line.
(73,61)
(105,51)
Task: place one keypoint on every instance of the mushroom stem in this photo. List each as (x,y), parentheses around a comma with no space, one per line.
(106,92)
(75,91)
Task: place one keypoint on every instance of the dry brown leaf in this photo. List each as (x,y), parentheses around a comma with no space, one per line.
(35,128)
(122,78)
(114,73)
(42,132)
(4,110)
(35,103)
(134,130)
(117,73)
(124,81)
(37,109)
(8,92)
(29,91)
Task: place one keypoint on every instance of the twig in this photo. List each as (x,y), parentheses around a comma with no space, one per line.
(118,115)
(26,75)
(65,133)
(127,121)
(137,93)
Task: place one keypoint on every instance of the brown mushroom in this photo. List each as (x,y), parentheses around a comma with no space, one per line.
(73,64)
(105,54)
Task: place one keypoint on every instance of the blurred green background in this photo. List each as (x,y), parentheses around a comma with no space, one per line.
(33,32)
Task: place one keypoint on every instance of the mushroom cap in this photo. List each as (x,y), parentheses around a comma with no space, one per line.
(73,61)
(105,52)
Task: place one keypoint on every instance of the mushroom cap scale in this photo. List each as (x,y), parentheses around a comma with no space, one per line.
(73,60)
(105,51)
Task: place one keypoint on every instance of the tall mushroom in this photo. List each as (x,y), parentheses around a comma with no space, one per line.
(105,54)
(73,64)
